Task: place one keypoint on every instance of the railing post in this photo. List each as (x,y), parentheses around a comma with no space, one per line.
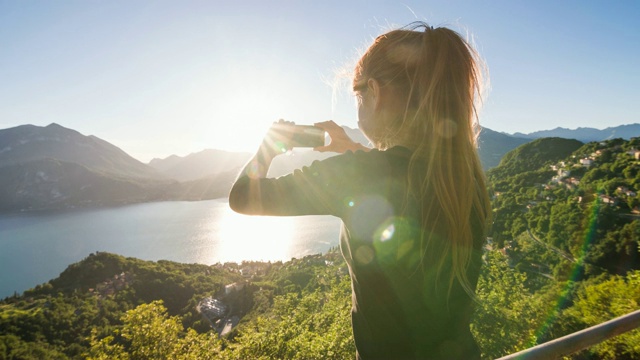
(580,340)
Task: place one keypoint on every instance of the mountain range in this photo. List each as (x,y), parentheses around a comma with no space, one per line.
(586,134)
(56,167)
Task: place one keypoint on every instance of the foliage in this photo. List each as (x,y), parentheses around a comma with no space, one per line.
(509,316)
(564,225)
(315,325)
(148,333)
(601,301)
(307,325)
(57,318)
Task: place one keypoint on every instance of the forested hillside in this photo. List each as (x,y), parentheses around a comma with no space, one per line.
(568,226)
(563,255)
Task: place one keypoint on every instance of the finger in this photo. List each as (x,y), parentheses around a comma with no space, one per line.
(329,126)
(327,123)
(283,121)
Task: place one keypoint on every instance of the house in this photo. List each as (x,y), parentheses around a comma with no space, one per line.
(236,286)
(608,200)
(586,162)
(563,173)
(624,190)
(212,308)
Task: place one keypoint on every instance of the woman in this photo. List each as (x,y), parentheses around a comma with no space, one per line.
(414,208)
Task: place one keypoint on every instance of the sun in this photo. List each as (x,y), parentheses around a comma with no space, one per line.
(242,106)
(234,112)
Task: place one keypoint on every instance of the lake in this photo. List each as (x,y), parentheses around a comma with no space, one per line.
(36,247)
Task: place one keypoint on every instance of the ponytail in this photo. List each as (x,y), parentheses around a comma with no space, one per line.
(436,77)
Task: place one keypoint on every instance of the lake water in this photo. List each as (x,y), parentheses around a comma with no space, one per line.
(37,247)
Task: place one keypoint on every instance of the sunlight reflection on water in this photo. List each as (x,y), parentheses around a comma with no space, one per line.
(245,237)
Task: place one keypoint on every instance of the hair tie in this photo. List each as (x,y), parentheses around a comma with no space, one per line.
(428,28)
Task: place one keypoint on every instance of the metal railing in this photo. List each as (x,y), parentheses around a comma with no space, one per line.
(580,340)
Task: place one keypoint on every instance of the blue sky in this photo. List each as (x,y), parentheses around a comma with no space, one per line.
(172,77)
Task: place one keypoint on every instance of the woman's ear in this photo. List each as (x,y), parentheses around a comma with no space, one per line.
(373,87)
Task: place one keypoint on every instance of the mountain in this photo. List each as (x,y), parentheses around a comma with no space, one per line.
(493,145)
(205,163)
(534,155)
(49,183)
(55,167)
(558,192)
(586,134)
(28,143)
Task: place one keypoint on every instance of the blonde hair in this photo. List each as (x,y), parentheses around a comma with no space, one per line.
(435,79)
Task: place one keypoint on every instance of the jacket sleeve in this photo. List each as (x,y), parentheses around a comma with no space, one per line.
(323,188)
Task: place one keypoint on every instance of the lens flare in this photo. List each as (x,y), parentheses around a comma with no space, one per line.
(366,212)
(563,298)
(387,233)
(281,146)
(364,254)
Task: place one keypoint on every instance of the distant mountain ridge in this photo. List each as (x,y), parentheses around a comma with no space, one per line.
(198,165)
(587,134)
(492,146)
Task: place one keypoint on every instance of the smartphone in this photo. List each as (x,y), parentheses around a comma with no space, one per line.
(302,135)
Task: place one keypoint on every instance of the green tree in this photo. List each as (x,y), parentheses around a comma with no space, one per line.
(149,333)
(603,300)
(508,316)
(314,325)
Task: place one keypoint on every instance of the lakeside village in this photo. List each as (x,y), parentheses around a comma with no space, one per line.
(224,310)
(564,178)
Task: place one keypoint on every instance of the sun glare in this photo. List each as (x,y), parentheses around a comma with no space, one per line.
(254,238)
(244,105)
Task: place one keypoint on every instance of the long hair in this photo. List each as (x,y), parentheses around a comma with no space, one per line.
(434,77)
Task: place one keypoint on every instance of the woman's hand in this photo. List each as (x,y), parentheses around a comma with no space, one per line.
(340,141)
(273,144)
(276,142)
